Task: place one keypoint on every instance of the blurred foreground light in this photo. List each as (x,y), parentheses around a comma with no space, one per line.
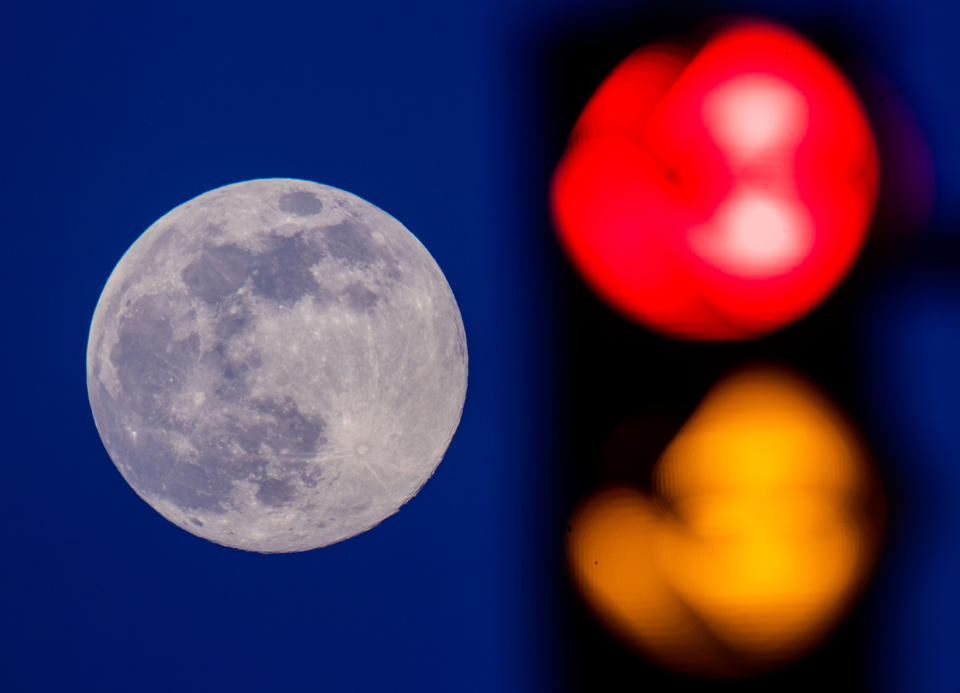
(719,194)
(764,523)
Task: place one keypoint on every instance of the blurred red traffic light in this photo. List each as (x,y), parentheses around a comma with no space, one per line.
(721,194)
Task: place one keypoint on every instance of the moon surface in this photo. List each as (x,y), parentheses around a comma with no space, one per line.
(276,365)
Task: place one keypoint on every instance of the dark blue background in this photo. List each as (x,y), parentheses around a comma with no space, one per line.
(113,113)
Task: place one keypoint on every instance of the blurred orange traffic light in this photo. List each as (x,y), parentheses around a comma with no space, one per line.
(763,526)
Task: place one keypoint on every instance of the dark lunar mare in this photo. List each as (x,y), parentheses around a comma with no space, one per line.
(154,369)
(302,203)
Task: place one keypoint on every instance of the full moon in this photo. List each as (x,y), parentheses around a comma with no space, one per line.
(276,365)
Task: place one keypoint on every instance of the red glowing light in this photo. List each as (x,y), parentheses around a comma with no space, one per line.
(718,195)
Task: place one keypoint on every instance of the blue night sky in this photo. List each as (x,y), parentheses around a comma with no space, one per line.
(445,115)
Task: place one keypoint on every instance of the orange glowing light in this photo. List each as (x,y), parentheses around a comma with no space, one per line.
(721,194)
(763,527)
